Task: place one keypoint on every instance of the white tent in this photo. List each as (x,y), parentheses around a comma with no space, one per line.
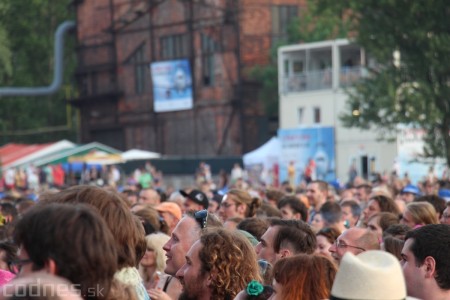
(266,155)
(136,154)
(262,163)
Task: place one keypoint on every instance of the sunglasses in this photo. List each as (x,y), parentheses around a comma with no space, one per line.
(201,217)
(263,266)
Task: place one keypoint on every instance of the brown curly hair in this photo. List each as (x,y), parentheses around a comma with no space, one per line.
(231,259)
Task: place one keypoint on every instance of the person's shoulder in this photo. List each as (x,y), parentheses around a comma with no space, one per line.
(171,285)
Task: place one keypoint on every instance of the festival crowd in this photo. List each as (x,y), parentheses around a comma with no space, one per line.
(107,237)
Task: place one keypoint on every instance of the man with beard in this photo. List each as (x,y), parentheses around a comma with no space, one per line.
(185,234)
(317,193)
(218,266)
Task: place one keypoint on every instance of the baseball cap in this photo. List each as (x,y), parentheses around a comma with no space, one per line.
(444,193)
(411,189)
(196,196)
(170,207)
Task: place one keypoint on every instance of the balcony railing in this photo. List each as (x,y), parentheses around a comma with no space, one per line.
(349,75)
(320,80)
(308,81)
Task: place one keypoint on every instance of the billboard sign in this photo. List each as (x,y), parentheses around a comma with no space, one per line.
(307,154)
(410,160)
(172,85)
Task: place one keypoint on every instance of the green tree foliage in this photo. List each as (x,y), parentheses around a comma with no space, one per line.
(313,26)
(5,51)
(307,28)
(29,27)
(414,88)
(5,56)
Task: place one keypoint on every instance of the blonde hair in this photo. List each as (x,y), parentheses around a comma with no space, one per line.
(243,197)
(422,213)
(155,241)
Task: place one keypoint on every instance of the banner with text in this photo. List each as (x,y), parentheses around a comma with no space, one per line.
(307,154)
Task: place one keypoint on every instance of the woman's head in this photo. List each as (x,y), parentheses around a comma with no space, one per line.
(393,245)
(306,277)
(155,255)
(419,213)
(239,203)
(75,240)
(129,238)
(317,222)
(379,222)
(151,220)
(325,238)
(380,203)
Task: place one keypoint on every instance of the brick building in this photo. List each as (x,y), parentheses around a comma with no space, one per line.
(222,40)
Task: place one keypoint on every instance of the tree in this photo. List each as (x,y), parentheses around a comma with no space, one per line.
(410,84)
(29,27)
(307,28)
(5,51)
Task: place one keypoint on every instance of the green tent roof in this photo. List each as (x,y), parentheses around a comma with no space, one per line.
(63,156)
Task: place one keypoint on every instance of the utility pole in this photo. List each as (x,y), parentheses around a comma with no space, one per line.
(191,31)
(238,93)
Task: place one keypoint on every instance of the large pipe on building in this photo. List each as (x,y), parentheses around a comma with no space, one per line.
(58,71)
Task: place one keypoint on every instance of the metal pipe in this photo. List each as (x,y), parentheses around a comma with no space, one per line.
(57,74)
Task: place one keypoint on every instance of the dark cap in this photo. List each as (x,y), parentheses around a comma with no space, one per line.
(217,198)
(197,196)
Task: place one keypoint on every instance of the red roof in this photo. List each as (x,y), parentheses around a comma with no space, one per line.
(12,152)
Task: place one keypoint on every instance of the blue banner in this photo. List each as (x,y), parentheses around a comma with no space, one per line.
(172,85)
(307,154)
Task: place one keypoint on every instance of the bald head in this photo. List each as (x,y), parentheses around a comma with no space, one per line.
(354,240)
(149,196)
(369,240)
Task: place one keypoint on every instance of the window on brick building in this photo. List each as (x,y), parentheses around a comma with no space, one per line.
(282,16)
(209,48)
(140,69)
(175,46)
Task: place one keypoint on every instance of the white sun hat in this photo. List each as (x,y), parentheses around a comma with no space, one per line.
(371,275)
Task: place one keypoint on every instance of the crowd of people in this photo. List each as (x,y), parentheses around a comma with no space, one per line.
(387,239)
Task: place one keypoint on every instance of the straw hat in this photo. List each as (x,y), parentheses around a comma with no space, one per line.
(372,275)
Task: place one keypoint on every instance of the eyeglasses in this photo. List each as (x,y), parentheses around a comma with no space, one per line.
(16,266)
(340,245)
(445,216)
(226,205)
(201,217)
